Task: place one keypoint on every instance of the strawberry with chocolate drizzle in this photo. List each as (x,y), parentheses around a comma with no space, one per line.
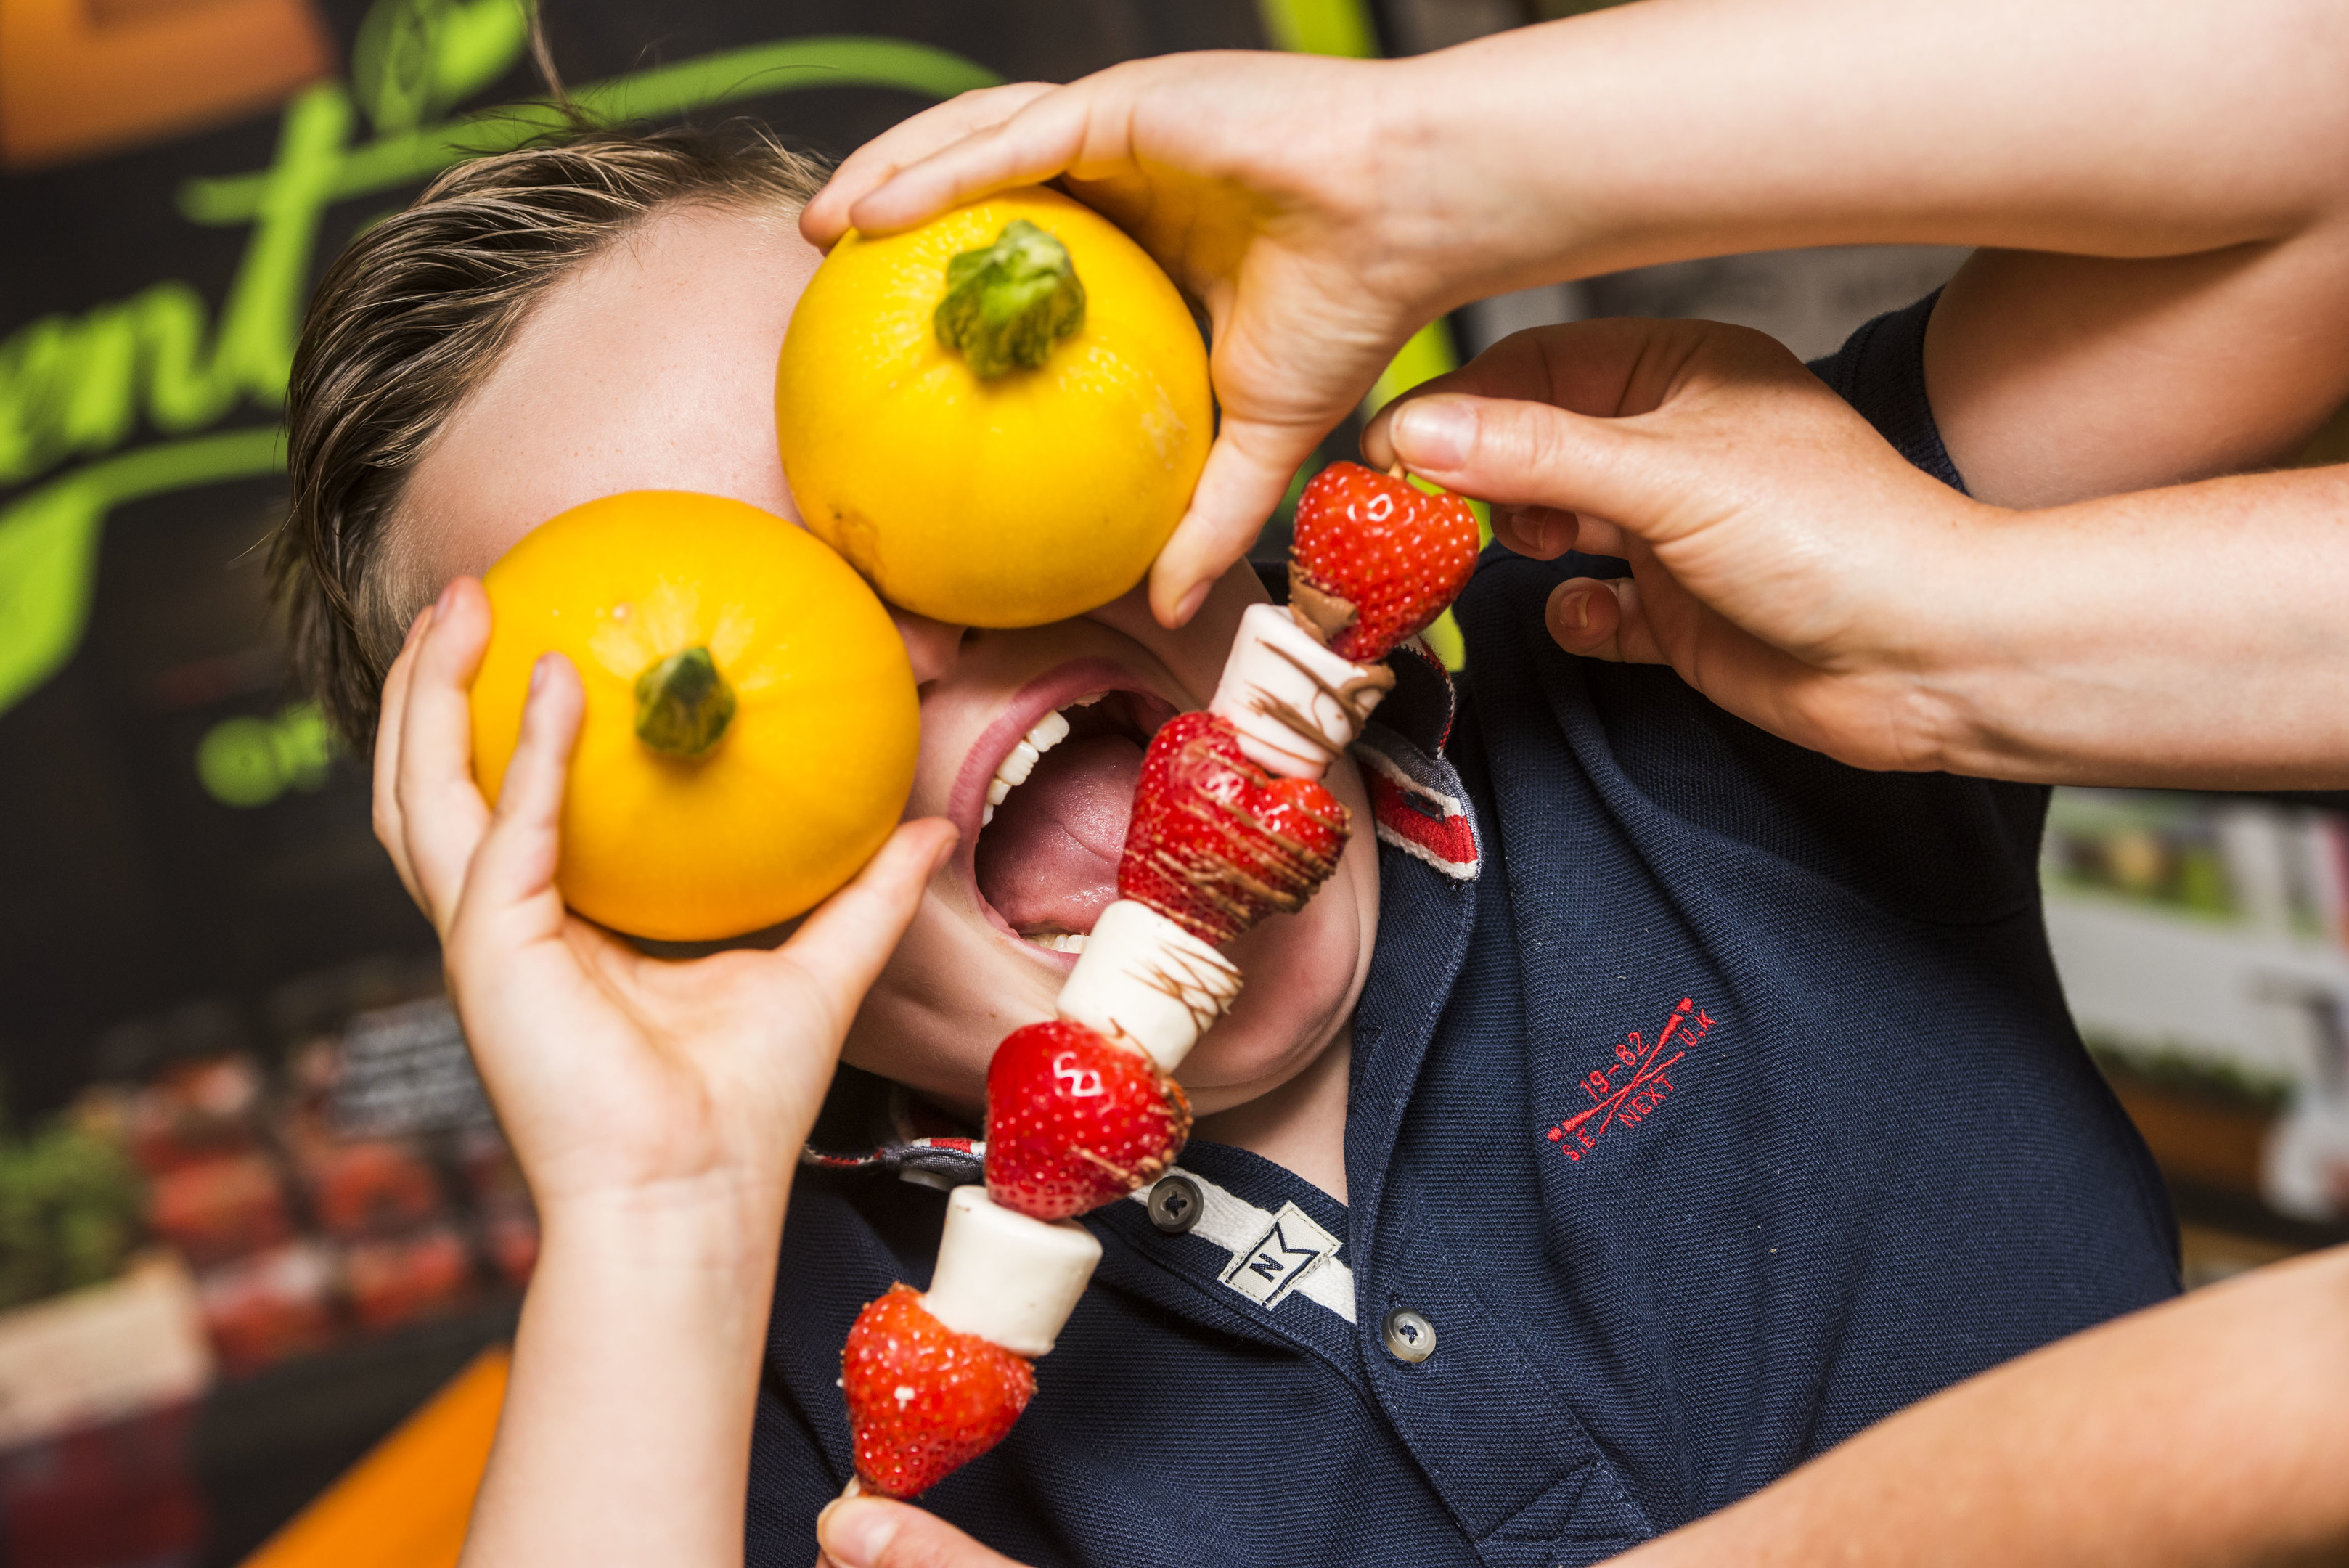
(1375,559)
(1216,843)
(1074,1122)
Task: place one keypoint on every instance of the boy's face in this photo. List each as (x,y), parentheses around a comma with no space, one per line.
(653,368)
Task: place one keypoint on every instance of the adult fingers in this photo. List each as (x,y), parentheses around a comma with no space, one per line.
(1543,533)
(1584,614)
(1247,473)
(1607,368)
(386,793)
(910,143)
(843,944)
(442,813)
(510,880)
(875,1533)
(1653,620)
(1518,454)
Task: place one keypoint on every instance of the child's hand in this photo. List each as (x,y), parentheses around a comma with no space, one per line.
(1272,188)
(620,1079)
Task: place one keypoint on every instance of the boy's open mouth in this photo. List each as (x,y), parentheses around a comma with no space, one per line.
(1054,822)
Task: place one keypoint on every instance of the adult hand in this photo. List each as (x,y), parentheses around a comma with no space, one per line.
(1789,564)
(1781,553)
(1280,190)
(615,1073)
(875,1533)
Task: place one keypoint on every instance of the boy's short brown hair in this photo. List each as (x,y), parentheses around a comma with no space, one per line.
(411,317)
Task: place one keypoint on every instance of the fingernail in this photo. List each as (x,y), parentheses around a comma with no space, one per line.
(1575,610)
(448,597)
(1434,433)
(538,671)
(1190,603)
(855,1530)
(1557,535)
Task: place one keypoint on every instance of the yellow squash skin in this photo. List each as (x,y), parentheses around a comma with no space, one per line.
(812,772)
(1029,498)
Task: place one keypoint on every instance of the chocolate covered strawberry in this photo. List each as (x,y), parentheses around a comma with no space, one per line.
(1375,559)
(1074,1122)
(1216,843)
(923,1400)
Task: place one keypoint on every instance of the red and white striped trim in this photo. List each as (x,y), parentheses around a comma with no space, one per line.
(1421,820)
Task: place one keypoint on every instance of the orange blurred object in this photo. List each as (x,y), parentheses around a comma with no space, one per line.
(79,78)
(407,1503)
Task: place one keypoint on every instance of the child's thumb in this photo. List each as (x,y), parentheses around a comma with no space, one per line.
(1519,453)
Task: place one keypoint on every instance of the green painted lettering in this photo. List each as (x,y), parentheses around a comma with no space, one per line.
(76,387)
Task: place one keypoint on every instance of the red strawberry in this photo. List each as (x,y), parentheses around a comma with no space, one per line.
(1375,558)
(1074,1122)
(1215,843)
(923,1400)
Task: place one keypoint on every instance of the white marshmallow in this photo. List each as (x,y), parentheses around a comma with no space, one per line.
(1148,983)
(1296,705)
(1006,1277)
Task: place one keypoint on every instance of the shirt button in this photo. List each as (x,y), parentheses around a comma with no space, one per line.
(1176,1203)
(1411,1338)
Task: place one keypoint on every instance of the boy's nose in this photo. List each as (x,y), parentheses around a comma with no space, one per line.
(931,645)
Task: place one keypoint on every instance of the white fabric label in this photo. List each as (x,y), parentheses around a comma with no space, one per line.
(1274,1255)
(1273,1264)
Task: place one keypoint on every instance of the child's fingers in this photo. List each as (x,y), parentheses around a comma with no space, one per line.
(843,944)
(386,795)
(442,813)
(876,164)
(513,867)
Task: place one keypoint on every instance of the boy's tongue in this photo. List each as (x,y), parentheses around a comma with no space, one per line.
(1048,860)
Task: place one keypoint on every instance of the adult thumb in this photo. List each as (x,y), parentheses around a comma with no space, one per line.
(873,1532)
(1519,453)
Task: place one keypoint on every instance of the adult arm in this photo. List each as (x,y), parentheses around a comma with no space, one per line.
(1792,567)
(2209,1432)
(1323,210)
(657,1108)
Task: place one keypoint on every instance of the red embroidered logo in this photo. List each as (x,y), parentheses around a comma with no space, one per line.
(1647,1084)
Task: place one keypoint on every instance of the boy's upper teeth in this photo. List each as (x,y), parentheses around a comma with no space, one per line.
(1049,732)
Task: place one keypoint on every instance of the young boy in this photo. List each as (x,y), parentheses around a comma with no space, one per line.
(1646,1104)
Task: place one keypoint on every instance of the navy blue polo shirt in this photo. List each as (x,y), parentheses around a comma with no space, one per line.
(1711,1101)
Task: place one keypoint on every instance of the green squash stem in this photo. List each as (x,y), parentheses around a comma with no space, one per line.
(1008,305)
(683,705)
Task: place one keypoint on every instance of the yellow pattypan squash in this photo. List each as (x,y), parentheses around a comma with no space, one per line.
(751,722)
(997,416)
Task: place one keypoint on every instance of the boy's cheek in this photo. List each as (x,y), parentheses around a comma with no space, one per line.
(1195,654)
(947,995)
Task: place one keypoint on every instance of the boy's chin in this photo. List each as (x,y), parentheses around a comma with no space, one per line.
(1302,973)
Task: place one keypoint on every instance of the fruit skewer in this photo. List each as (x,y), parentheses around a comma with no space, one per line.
(1230,822)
